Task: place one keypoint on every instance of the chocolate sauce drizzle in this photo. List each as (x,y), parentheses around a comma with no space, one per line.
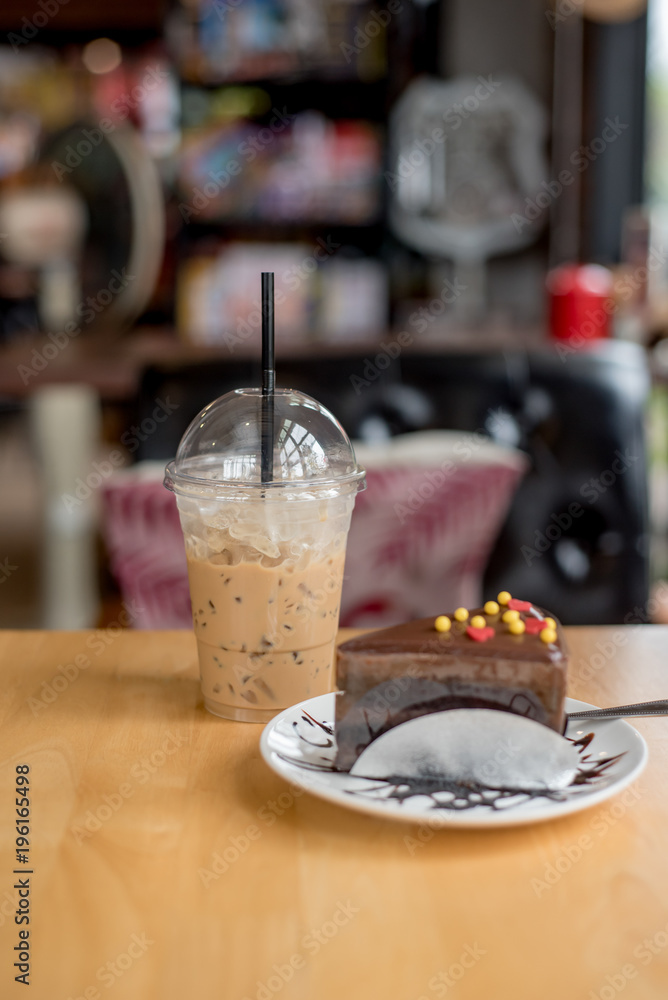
(459,795)
(329,730)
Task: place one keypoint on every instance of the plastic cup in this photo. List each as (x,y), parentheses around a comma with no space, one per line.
(265,560)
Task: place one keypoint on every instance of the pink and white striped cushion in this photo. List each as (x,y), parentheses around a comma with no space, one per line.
(420,537)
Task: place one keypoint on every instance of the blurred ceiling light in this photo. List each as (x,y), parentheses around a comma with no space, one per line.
(102,55)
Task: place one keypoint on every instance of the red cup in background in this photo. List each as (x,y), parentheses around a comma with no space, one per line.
(580,303)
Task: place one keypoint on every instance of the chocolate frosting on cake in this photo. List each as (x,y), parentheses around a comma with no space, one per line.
(396,674)
(420,637)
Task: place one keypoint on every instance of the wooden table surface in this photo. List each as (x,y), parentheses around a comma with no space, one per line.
(167,861)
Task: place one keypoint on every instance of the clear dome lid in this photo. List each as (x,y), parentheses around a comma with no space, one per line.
(221,449)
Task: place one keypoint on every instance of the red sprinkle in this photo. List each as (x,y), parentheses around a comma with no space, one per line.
(480,634)
(535,625)
(516,605)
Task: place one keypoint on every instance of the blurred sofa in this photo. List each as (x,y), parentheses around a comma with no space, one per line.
(420,535)
(576,535)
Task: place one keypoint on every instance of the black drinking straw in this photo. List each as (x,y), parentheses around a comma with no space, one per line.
(268,377)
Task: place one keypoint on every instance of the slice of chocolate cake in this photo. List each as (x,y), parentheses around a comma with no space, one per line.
(508,655)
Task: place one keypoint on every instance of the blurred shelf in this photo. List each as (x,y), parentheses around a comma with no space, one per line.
(114,366)
(80,16)
(290,227)
(335,97)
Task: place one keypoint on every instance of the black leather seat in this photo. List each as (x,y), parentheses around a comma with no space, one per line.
(576,538)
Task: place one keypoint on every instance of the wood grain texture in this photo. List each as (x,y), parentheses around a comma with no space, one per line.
(135,789)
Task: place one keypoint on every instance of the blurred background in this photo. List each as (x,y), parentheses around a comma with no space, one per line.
(464,204)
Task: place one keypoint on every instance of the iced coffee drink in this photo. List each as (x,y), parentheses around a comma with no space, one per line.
(266,621)
(265,562)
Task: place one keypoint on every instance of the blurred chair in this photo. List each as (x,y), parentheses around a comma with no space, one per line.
(419,541)
(422,531)
(573,413)
(145,545)
(459,181)
(66,429)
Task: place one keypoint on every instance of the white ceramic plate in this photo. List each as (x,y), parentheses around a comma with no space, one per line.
(300,746)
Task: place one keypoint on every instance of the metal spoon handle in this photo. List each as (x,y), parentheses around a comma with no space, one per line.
(623,711)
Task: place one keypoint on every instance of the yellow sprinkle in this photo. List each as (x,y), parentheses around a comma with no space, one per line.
(510,616)
(550,622)
(503,597)
(442,624)
(461,614)
(478,621)
(517,627)
(548,635)
(491,608)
